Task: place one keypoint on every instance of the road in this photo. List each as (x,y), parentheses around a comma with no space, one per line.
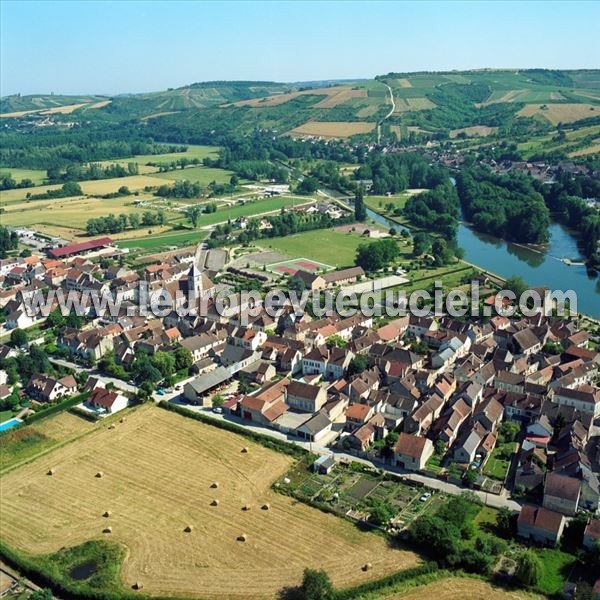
(118,383)
(431,482)
(388,115)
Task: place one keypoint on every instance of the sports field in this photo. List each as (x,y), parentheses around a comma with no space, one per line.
(290,267)
(158,468)
(323,245)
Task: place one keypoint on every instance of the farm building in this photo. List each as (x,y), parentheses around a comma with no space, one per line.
(316,428)
(315,281)
(197,390)
(80,248)
(324,464)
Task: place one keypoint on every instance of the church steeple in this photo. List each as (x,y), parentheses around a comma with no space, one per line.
(195,286)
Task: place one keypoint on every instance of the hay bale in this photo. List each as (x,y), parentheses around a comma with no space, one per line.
(266,506)
(111,426)
(138,585)
(50,472)
(246,507)
(367,567)
(214,484)
(188,529)
(242,538)
(245,450)
(107,530)
(215,502)
(122,420)
(106,513)
(99,474)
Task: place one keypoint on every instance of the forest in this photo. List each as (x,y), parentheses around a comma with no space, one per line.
(506,206)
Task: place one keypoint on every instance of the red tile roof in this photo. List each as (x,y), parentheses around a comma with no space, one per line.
(80,247)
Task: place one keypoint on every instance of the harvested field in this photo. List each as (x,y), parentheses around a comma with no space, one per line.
(97,187)
(332,129)
(157,471)
(38,437)
(595,149)
(457,588)
(560,113)
(334,95)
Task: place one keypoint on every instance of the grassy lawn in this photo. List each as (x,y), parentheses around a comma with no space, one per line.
(556,567)
(201,175)
(497,464)
(434,464)
(192,151)
(324,245)
(5,415)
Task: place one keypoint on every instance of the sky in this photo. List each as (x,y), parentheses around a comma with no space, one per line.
(113,47)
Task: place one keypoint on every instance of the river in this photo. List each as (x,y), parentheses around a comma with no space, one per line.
(537,267)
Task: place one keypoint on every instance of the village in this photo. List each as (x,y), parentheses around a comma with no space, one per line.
(506,407)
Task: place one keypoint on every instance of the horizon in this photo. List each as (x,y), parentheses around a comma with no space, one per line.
(297,82)
(136,48)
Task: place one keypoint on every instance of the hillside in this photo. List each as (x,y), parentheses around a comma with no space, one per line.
(526,106)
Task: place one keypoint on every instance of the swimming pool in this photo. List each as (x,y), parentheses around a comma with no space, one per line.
(8,424)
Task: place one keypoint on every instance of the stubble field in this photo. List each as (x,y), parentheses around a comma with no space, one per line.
(158,468)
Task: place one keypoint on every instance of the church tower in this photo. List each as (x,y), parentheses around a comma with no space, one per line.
(195,287)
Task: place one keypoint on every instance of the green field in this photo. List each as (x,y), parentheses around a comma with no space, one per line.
(201,175)
(192,151)
(164,241)
(323,245)
(36,175)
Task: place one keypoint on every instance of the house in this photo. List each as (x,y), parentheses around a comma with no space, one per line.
(561,493)
(314,281)
(47,389)
(108,401)
(305,397)
(540,525)
(465,449)
(591,535)
(329,362)
(262,409)
(316,428)
(586,398)
(412,452)
(357,415)
(489,414)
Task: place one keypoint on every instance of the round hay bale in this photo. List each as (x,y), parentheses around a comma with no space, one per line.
(242,538)
(246,507)
(367,567)
(214,484)
(188,529)
(122,420)
(138,585)
(245,450)
(107,530)
(215,502)
(266,506)
(99,474)
(106,513)
(111,426)
(50,472)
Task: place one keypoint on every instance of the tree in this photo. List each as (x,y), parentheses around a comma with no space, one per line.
(440,447)
(377,255)
(55,318)
(360,212)
(193,214)
(217,401)
(516,284)
(183,358)
(316,585)
(309,185)
(297,285)
(42,594)
(505,521)
(529,568)
(470,476)
(357,365)
(421,243)
(18,338)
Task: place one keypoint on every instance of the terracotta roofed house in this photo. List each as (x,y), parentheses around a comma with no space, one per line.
(412,452)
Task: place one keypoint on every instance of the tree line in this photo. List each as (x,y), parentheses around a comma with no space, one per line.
(119,223)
